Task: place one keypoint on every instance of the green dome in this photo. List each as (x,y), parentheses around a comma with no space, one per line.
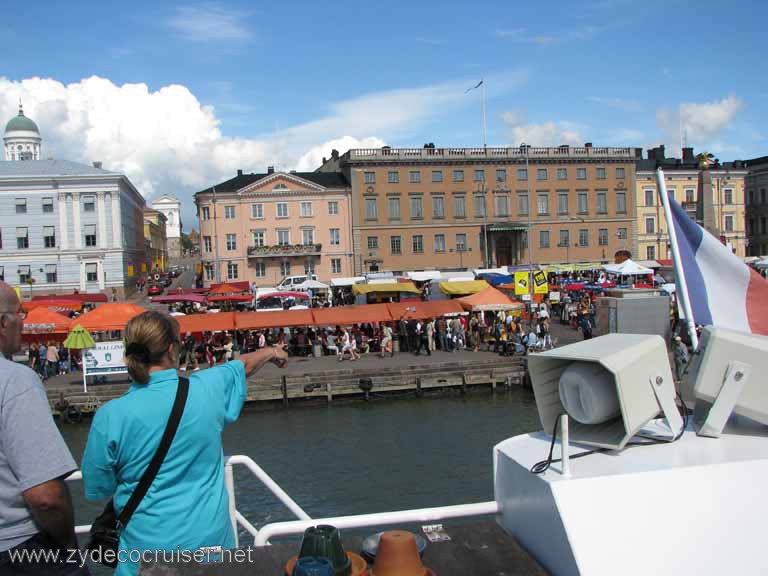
(21,122)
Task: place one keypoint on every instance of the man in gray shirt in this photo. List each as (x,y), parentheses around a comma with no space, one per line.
(35,506)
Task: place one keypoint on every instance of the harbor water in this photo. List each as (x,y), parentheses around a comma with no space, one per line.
(361,457)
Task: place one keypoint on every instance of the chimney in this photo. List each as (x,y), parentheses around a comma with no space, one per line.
(270,169)
(651,153)
(588,145)
(97,165)
(335,154)
(325,159)
(688,154)
(660,153)
(239,172)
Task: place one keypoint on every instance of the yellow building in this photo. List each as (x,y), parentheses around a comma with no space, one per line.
(155,240)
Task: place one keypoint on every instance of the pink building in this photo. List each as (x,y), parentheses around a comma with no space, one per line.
(263,227)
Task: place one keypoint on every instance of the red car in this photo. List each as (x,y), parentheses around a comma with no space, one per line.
(155,290)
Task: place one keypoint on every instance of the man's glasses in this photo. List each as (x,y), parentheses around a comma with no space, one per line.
(20,313)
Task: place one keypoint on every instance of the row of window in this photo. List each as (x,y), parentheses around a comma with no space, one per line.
(501,205)
(751,229)
(542,174)
(281,210)
(88,203)
(261,268)
(282,237)
(753,197)
(690,195)
(24,273)
(49,237)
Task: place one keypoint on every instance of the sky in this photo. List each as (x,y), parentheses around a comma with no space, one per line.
(179,96)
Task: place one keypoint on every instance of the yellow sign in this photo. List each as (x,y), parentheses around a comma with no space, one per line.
(130,270)
(143,266)
(18,292)
(521,283)
(540,285)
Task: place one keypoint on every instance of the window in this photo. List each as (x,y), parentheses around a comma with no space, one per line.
(522,204)
(282,210)
(762,226)
(335,265)
(671,192)
(232,270)
(258,237)
(207,244)
(50,274)
(650,252)
(620,173)
(649,197)
(393,205)
(562,173)
(2,273)
(279,186)
(459,207)
(583,237)
(458,175)
(542,200)
(24,274)
(751,226)
(371,213)
(621,202)
(762,195)
(49,237)
(479,175)
(89,204)
(373,242)
(438,207)
(92,272)
(22,238)
(285,268)
(437,175)
(418,244)
(229,212)
(335,236)
(621,233)
(600,173)
(90,234)
(650,225)
(370,177)
(502,204)
(206,211)
(307,236)
(582,202)
(417,207)
(393,177)
(231,242)
(541,174)
(439,242)
(522,174)
(47,205)
(562,202)
(501,175)
(306,209)
(728,196)
(565,238)
(259,268)
(210,273)
(581,173)
(395,245)
(21,205)
(543,238)
(257,211)
(690,195)
(333,208)
(751,196)
(602,202)
(414,176)
(602,236)
(729,223)
(461,242)
(480,205)
(309,268)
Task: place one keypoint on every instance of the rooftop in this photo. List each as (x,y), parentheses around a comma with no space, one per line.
(324,179)
(36,168)
(431,154)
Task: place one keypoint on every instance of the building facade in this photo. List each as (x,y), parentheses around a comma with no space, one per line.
(155,240)
(171,208)
(713,196)
(458,208)
(263,227)
(22,138)
(757,206)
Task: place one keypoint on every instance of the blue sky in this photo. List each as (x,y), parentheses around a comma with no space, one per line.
(180,95)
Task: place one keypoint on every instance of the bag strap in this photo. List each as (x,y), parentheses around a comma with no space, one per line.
(157,460)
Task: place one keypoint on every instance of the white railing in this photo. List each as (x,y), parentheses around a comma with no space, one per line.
(516,152)
(262,536)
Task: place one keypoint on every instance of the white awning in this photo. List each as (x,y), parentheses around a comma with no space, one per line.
(338,282)
(424,275)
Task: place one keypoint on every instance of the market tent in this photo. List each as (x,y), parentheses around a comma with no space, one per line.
(44,321)
(494,279)
(489,299)
(421,310)
(290,294)
(346,315)
(424,275)
(386,287)
(463,287)
(229,287)
(93,298)
(230,298)
(78,339)
(339,282)
(627,268)
(110,316)
(197,323)
(274,319)
(75,305)
(169,298)
(311,285)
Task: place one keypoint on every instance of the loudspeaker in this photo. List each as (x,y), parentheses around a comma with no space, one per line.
(610,387)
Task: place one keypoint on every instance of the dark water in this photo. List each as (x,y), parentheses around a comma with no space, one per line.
(364,457)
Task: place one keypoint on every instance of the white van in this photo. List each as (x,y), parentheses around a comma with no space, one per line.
(289,282)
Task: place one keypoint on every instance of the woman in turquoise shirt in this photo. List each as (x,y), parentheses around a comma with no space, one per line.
(187,506)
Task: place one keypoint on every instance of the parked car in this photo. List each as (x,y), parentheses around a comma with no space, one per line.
(155,290)
(289,282)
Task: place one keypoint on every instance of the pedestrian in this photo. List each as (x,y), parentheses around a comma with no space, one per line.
(441,329)
(681,358)
(386,341)
(42,350)
(35,507)
(421,338)
(431,334)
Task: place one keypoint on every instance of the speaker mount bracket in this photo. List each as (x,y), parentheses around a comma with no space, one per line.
(714,420)
(665,396)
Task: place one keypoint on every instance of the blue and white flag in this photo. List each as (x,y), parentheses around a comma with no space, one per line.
(474,87)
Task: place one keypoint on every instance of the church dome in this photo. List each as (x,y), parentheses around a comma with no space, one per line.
(21,123)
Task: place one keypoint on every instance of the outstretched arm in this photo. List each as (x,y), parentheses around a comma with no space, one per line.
(254,361)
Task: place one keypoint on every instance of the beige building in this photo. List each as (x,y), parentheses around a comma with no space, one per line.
(757,206)
(714,197)
(263,227)
(155,240)
(457,208)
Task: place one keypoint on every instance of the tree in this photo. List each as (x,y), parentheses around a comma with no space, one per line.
(186,243)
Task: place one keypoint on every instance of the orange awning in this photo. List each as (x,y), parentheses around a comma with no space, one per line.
(489,299)
(44,321)
(273,319)
(198,323)
(109,316)
(75,305)
(346,315)
(430,309)
(226,289)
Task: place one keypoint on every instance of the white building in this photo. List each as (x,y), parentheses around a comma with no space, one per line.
(22,138)
(171,208)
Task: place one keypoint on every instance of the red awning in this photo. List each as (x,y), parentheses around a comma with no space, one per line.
(290,294)
(198,323)
(346,315)
(230,298)
(229,288)
(44,321)
(75,305)
(91,298)
(420,310)
(110,316)
(273,319)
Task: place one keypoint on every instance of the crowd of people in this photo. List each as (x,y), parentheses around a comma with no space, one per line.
(51,359)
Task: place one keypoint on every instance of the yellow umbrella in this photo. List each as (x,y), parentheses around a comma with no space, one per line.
(79,338)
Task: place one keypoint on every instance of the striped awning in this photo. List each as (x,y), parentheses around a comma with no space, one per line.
(511,227)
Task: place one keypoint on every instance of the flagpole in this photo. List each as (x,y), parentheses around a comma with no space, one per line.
(485,122)
(682,284)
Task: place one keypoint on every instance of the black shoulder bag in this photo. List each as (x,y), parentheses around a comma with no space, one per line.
(106,529)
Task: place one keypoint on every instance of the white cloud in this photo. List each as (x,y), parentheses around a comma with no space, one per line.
(550,133)
(700,122)
(209,22)
(314,157)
